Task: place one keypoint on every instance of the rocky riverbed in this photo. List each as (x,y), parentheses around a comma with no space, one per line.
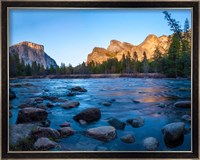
(106,114)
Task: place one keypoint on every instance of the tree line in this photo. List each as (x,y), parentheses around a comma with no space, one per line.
(175,63)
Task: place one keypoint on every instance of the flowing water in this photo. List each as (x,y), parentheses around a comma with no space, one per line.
(149,92)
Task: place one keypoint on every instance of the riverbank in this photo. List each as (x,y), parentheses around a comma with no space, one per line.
(130,75)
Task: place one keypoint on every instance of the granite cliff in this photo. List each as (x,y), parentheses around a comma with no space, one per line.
(31,52)
(116,49)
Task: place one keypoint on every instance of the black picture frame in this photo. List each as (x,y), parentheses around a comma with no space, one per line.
(5,5)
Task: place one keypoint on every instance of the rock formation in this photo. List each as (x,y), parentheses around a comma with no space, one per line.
(116,49)
(31,52)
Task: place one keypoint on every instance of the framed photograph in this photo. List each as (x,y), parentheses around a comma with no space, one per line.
(100,79)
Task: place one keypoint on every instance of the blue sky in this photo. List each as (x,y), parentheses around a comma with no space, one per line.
(69,35)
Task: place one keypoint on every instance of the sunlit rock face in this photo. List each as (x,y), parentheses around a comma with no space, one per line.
(116,49)
(31,52)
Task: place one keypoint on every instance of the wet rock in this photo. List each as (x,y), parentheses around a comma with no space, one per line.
(69,105)
(66,131)
(53,99)
(71,94)
(150,143)
(116,123)
(186,118)
(39,132)
(106,103)
(31,114)
(183,104)
(44,143)
(17,85)
(12,94)
(49,105)
(173,134)
(39,100)
(10,114)
(78,89)
(129,138)
(88,115)
(82,122)
(137,122)
(41,106)
(45,123)
(134,101)
(66,124)
(20,132)
(24,105)
(103,133)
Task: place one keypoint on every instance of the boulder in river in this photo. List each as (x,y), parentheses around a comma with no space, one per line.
(44,143)
(173,134)
(150,143)
(69,105)
(66,131)
(103,133)
(88,115)
(71,94)
(129,138)
(12,94)
(136,122)
(116,123)
(31,115)
(39,132)
(183,104)
(78,89)
(186,118)
(20,132)
(41,106)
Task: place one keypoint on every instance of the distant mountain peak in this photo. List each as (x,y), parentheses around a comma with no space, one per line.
(116,49)
(30,52)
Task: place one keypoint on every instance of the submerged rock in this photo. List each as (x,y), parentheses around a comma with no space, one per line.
(106,103)
(44,143)
(173,134)
(54,99)
(71,94)
(116,123)
(69,105)
(49,105)
(25,105)
(41,106)
(39,132)
(150,143)
(78,89)
(31,114)
(88,115)
(183,104)
(66,131)
(103,133)
(129,138)
(39,100)
(12,94)
(66,124)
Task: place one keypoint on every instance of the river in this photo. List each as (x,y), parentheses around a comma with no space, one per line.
(131,97)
